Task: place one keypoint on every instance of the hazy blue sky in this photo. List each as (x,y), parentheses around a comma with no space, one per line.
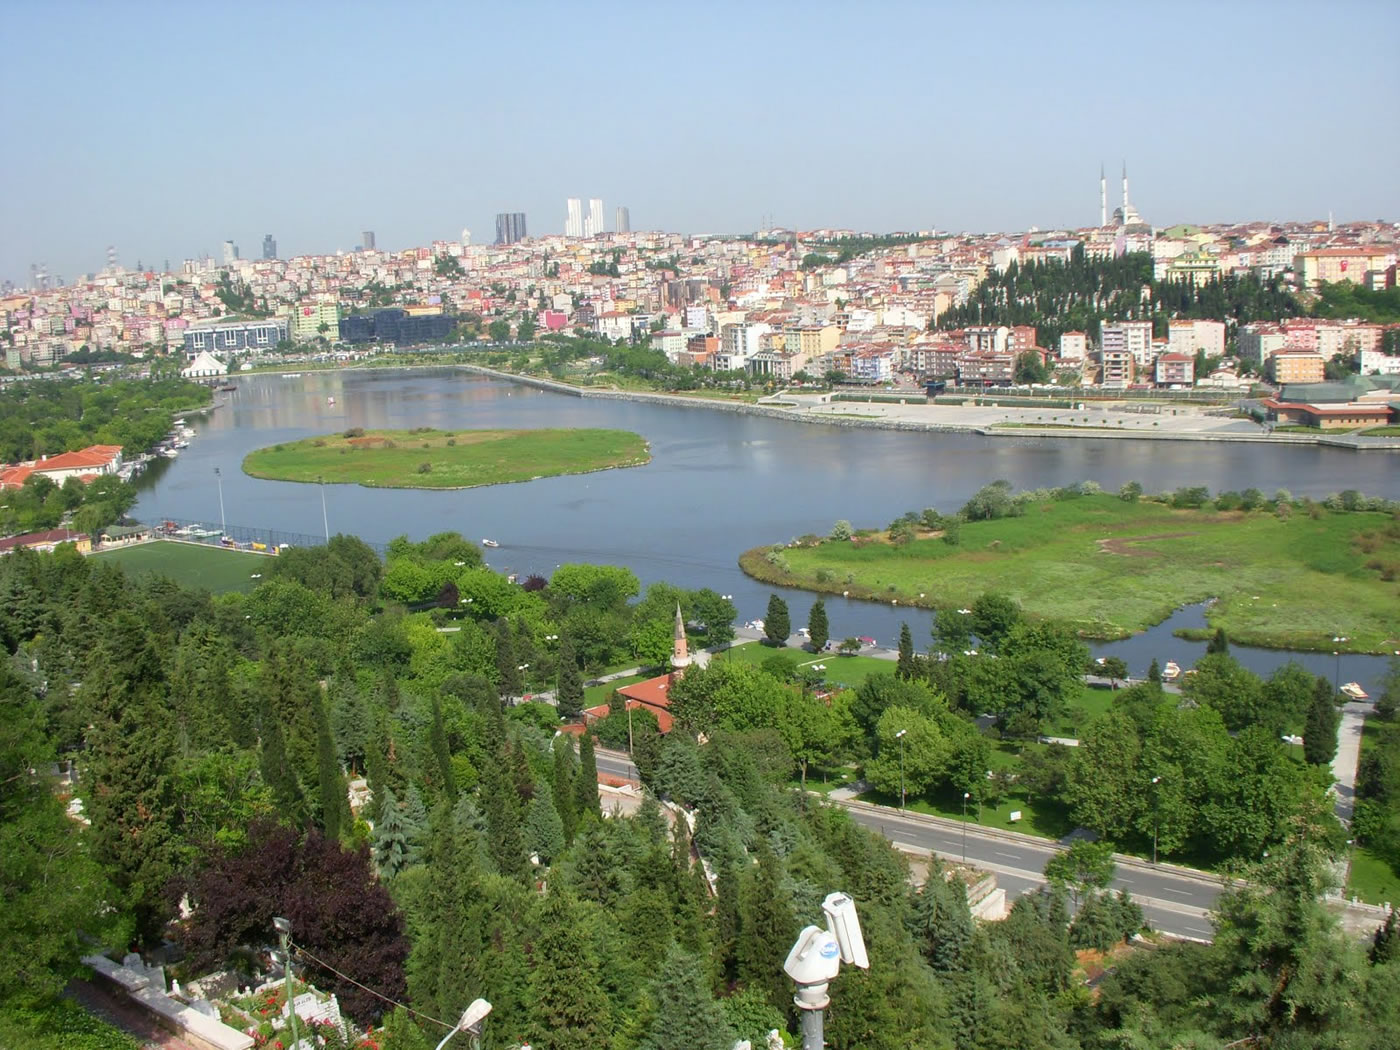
(164,128)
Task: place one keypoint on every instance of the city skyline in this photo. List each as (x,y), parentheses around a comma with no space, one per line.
(918,147)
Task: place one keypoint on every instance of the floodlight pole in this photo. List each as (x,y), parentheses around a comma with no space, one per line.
(325,521)
(223,521)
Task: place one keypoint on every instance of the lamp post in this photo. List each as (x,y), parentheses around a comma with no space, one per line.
(1337,667)
(900,737)
(472,1022)
(728,598)
(1156,817)
(223,522)
(284,933)
(966,795)
(325,521)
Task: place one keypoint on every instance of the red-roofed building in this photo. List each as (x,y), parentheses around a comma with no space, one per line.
(47,541)
(654,694)
(86,464)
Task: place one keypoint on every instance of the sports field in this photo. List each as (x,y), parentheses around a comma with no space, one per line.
(196,565)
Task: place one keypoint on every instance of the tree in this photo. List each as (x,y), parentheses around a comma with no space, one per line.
(1320,729)
(51,886)
(818,631)
(917,760)
(499,331)
(1104,777)
(993,617)
(905,667)
(544,830)
(333,801)
(569,694)
(767,927)
(1115,668)
(776,624)
(339,913)
(1084,867)
(586,795)
(391,850)
(941,922)
(569,1008)
(1154,671)
(687,1015)
(1218,642)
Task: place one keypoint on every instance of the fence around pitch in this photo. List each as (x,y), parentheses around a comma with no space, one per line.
(242,535)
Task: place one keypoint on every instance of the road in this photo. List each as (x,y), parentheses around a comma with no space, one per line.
(1172,900)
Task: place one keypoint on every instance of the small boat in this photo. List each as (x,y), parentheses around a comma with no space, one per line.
(489,543)
(1353,691)
(169,453)
(229,387)
(1171,672)
(330,400)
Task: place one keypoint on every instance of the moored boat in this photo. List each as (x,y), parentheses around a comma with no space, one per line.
(1171,671)
(489,543)
(1353,691)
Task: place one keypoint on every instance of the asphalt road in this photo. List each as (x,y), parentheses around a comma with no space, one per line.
(1172,901)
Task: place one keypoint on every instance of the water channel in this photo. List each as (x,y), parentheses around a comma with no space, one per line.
(718,484)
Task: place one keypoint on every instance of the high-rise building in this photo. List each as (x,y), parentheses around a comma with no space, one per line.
(269,247)
(593,226)
(510,227)
(573,221)
(230,253)
(623,220)
(367,240)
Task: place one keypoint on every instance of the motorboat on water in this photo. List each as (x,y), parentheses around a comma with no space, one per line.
(1171,671)
(330,400)
(489,543)
(1353,691)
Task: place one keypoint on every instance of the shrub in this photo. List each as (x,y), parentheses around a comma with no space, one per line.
(318,443)
(451,442)
(425,468)
(355,432)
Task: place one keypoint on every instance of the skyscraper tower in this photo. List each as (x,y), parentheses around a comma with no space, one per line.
(230,253)
(269,247)
(367,240)
(573,221)
(510,227)
(594,226)
(1103,196)
(623,222)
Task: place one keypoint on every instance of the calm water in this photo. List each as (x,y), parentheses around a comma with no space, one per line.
(718,484)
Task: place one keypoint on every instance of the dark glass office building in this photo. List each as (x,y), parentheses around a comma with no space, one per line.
(510,227)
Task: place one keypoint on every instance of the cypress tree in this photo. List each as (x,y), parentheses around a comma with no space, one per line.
(586,787)
(330,781)
(569,694)
(905,667)
(508,677)
(570,1009)
(1218,642)
(1320,728)
(818,629)
(766,929)
(350,719)
(687,1015)
(776,623)
(277,772)
(544,831)
(562,789)
(941,923)
(1154,671)
(504,816)
(441,756)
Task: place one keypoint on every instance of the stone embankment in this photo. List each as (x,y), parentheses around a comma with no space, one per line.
(828,416)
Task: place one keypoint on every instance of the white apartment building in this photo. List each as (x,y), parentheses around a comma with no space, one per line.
(1188,337)
(1373,362)
(1133,336)
(1074,346)
(738,343)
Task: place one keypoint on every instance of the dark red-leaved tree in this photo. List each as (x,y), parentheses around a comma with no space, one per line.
(339,913)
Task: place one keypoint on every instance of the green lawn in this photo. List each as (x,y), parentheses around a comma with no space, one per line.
(1086,704)
(594,695)
(840,670)
(1372,879)
(215,569)
(442,459)
(1110,568)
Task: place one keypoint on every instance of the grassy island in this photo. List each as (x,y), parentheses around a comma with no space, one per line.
(424,458)
(1286,575)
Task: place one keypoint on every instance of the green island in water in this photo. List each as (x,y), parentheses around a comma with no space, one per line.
(1284,574)
(424,458)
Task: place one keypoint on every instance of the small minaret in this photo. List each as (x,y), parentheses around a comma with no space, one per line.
(1125,191)
(1103,196)
(680,651)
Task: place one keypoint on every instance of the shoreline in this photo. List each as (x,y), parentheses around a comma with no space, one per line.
(982,429)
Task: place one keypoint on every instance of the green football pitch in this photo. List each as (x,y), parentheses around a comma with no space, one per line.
(195,565)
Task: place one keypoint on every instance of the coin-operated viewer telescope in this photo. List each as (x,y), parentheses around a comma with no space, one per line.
(816,959)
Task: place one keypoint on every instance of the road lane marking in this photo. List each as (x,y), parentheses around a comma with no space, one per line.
(1008,856)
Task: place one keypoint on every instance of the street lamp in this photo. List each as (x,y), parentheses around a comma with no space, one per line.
(1156,795)
(966,795)
(1337,669)
(900,737)
(472,1022)
(284,933)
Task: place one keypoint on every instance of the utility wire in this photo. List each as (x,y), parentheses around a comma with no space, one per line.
(392,1002)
